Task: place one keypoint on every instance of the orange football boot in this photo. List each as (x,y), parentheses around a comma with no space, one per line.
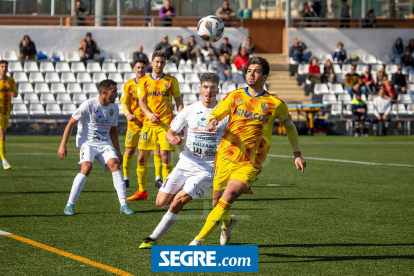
(138,196)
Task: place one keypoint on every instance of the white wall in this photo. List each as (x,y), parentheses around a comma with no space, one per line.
(356,41)
(109,39)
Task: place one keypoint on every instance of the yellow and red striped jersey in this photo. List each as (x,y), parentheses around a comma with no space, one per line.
(130,98)
(6,87)
(159,95)
(249,133)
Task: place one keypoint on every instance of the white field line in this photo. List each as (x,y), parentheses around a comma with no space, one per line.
(344,161)
(4,233)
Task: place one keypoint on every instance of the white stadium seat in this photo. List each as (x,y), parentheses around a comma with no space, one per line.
(47,99)
(303,69)
(118,57)
(31,98)
(15,66)
(17,100)
(404,98)
(324,57)
(41,88)
(170,68)
(336,109)
(179,77)
(36,77)
(77,67)
(57,55)
(329,99)
(361,68)
(345,98)
(62,67)
(340,78)
(79,98)
(68,109)
(124,68)
(192,78)
(363,97)
(185,68)
(56,88)
(93,95)
(116,77)
(185,88)
(369,59)
(46,66)
(228,87)
(130,57)
(371,97)
(190,98)
(63,98)
(398,109)
(20,77)
(238,78)
(67,77)
(10,56)
(93,67)
(220,96)
(109,67)
(83,77)
(74,88)
(321,88)
(98,77)
(337,88)
(346,68)
(25,87)
(391,69)
(384,59)
(195,88)
(200,68)
(72,56)
(242,85)
(410,87)
(53,110)
(52,77)
(410,109)
(128,76)
(120,86)
(89,88)
(337,68)
(20,110)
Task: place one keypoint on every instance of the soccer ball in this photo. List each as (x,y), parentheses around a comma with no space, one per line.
(210,28)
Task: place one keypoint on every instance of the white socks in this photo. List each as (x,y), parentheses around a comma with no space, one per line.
(119,185)
(77,187)
(167,221)
(126,178)
(157,177)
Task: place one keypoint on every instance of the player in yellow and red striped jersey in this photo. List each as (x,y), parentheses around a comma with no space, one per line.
(8,90)
(135,118)
(244,145)
(156,91)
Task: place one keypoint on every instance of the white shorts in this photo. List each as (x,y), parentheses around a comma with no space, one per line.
(195,181)
(102,154)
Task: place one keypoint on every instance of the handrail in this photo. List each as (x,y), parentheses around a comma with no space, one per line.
(305,22)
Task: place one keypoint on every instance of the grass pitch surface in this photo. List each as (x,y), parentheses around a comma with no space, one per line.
(335,219)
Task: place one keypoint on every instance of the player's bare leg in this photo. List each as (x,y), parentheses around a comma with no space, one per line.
(163,199)
(113,165)
(127,162)
(77,186)
(179,201)
(142,169)
(158,167)
(6,164)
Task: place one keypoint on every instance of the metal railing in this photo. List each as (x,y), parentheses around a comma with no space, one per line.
(318,22)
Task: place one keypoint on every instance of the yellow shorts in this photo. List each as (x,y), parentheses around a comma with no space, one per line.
(153,135)
(4,121)
(224,170)
(132,138)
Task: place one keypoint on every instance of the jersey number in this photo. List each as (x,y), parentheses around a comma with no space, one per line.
(197,150)
(144,136)
(129,135)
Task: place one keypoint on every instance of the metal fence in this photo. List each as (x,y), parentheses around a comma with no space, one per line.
(311,22)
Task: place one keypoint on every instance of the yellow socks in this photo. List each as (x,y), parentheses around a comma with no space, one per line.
(142,170)
(220,213)
(127,164)
(158,164)
(2,149)
(166,169)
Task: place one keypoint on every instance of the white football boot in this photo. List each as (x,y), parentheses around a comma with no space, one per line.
(226,231)
(196,242)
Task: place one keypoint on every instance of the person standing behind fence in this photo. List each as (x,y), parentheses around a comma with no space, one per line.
(225,13)
(80,14)
(344,14)
(166,14)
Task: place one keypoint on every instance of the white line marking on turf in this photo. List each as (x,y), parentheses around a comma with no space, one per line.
(273,185)
(344,161)
(4,233)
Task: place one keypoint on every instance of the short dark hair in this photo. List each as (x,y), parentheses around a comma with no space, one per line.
(140,60)
(4,62)
(106,85)
(158,53)
(225,38)
(209,77)
(260,61)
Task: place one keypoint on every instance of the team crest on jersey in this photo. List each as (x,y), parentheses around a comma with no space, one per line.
(265,106)
(166,85)
(149,86)
(239,101)
(111,112)
(9,83)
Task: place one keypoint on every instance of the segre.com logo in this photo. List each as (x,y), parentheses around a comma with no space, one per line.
(230,258)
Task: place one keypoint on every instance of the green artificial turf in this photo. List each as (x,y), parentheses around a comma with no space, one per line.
(335,219)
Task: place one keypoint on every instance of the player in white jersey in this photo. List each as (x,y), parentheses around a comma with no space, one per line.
(193,175)
(97,120)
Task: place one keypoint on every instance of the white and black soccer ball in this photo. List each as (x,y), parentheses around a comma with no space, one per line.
(210,28)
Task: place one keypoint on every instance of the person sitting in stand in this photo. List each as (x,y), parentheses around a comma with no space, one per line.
(329,75)
(340,54)
(389,91)
(381,78)
(353,81)
(314,73)
(367,82)
(359,115)
(241,60)
(382,109)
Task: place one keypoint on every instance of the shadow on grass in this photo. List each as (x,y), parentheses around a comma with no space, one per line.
(281,199)
(334,245)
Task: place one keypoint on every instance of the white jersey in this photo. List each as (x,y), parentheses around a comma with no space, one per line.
(95,122)
(200,144)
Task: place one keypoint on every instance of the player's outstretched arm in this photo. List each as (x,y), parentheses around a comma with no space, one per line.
(62,151)
(144,107)
(113,133)
(173,138)
(293,138)
(179,104)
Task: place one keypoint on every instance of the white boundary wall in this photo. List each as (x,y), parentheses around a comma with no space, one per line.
(356,41)
(109,39)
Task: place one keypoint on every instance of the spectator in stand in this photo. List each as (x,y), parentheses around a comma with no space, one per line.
(164,46)
(179,50)
(399,81)
(166,14)
(359,115)
(370,20)
(314,73)
(407,62)
(410,46)
(390,92)
(88,50)
(382,109)
(224,69)
(344,15)
(248,45)
(297,51)
(381,78)
(306,13)
(225,13)
(194,50)
(316,6)
(139,54)
(398,51)
(209,52)
(81,12)
(27,50)
(226,47)
(340,54)
(353,81)
(329,75)
(367,82)
(241,60)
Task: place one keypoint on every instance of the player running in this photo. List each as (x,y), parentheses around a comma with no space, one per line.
(192,177)
(97,119)
(245,144)
(155,100)
(135,117)
(8,89)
